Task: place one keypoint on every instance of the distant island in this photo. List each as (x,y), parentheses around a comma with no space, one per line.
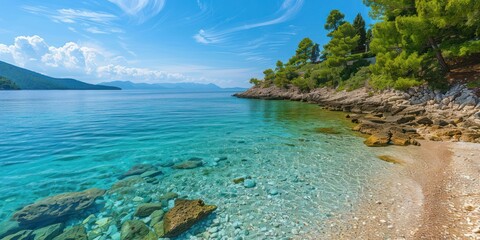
(17,78)
(185,86)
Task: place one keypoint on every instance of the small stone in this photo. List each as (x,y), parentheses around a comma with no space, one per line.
(49,232)
(156,216)
(138,199)
(76,232)
(190,164)
(146,209)
(151,174)
(134,229)
(249,183)
(273,192)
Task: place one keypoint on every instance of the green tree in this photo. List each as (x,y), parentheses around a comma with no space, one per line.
(359,25)
(302,54)
(269,75)
(315,56)
(334,20)
(344,41)
(279,66)
(368,40)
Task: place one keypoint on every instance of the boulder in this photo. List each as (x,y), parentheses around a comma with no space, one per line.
(57,208)
(144,210)
(126,185)
(184,215)
(400,139)
(189,164)
(74,233)
(404,119)
(368,128)
(378,139)
(158,228)
(21,235)
(49,232)
(136,230)
(138,170)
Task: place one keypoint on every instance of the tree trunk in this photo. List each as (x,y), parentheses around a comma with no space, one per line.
(439,55)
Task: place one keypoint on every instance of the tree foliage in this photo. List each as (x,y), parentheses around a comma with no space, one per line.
(334,20)
(359,25)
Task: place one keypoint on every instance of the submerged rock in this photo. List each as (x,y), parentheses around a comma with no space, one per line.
(390,159)
(56,208)
(136,230)
(184,215)
(168,196)
(327,130)
(21,235)
(189,164)
(138,170)
(74,233)
(249,183)
(156,217)
(8,227)
(49,232)
(146,209)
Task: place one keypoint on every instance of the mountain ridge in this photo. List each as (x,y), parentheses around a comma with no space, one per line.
(30,80)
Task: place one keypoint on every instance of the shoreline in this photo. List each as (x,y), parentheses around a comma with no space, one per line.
(432,191)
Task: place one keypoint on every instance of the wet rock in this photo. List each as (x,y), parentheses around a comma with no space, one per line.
(390,159)
(126,184)
(49,232)
(168,196)
(159,230)
(144,210)
(378,139)
(151,174)
(156,217)
(56,208)
(8,227)
(74,233)
(189,164)
(138,169)
(249,183)
(327,130)
(368,128)
(21,235)
(404,119)
(136,230)
(184,215)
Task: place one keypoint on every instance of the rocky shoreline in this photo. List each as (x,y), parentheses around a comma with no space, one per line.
(393,117)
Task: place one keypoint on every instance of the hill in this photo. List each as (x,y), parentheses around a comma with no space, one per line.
(29,80)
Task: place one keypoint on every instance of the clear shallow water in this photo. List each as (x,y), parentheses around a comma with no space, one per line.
(61,141)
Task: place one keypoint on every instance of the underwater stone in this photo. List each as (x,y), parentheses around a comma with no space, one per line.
(150,174)
(49,232)
(156,216)
(144,210)
(168,196)
(249,183)
(8,227)
(273,192)
(136,230)
(56,208)
(190,164)
(22,235)
(138,169)
(74,233)
(184,215)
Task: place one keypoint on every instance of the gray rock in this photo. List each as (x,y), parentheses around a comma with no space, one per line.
(56,208)
(49,232)
(138,169)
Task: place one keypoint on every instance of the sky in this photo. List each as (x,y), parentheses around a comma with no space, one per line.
(225,42)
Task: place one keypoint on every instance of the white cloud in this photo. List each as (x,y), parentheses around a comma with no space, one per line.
(90,21)
(287,11)
(84,61)
(140,9)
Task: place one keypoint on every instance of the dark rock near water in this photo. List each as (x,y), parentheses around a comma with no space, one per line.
(144,210)
(136,230)
(424,121)
(74,233)
(56,208)
(138,170)
(184,215)
(49,232)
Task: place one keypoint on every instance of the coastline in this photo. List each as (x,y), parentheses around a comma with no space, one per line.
(432,191)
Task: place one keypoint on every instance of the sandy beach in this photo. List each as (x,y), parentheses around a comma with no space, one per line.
(431,192)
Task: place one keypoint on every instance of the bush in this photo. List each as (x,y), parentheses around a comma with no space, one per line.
(406,83)
(357,81)
(305,84)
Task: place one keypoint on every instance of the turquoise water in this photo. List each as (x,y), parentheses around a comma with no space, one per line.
(62,141)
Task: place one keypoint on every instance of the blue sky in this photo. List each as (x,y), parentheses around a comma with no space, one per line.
(225,42)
